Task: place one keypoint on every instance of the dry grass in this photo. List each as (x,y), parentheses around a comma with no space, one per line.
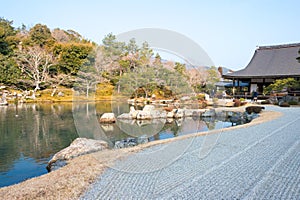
(68,182)
(72,180)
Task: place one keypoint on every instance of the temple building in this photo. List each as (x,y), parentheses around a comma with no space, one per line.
(267,64)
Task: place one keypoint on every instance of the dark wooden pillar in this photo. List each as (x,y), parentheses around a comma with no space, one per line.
(233,87)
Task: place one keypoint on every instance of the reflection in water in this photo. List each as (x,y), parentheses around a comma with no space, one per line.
(145,128)
(31,133)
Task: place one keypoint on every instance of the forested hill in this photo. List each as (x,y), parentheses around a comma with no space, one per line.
(39,58)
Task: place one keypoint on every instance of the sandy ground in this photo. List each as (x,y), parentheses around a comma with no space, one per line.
(72,180)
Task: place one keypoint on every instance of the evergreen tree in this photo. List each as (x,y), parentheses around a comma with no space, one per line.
(40,35)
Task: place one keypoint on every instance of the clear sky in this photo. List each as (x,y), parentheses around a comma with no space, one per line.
(228,30)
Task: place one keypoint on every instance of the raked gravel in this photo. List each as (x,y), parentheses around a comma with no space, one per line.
(256,162)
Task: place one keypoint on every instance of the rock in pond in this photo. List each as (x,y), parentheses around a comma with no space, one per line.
(108,118)
(179,113)
(133,113)
(80,146)
(148,108)
(143,115)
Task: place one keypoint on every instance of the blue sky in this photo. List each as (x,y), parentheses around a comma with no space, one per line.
(228,31)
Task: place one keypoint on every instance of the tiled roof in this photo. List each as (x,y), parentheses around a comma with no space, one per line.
(271,61)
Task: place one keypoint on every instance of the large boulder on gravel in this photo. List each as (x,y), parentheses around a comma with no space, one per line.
(78,147)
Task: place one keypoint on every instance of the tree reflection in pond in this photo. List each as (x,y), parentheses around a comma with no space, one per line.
(30,134)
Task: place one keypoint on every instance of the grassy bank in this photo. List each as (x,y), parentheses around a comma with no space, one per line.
(61,95)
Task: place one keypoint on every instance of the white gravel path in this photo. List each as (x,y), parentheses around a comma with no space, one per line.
(257,162)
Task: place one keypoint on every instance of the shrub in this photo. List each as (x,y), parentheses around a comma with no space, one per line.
(293,102)
(281,84)
(202,104)
(215,100)
(104,89)
(194,98)
(200,97)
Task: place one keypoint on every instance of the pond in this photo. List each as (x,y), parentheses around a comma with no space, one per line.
(30,134)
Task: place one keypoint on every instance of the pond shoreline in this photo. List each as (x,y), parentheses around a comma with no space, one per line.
(70,181)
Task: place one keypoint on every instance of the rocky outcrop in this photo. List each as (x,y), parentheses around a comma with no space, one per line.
(273,100)
(242,117)
(149,112)
(78,147)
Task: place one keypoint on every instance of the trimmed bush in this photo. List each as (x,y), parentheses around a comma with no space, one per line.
(284,104)
(265,102)
(237,102)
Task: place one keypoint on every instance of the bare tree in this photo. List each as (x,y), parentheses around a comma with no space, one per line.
(197,76)
(58,80)
(35,62)
(60,35)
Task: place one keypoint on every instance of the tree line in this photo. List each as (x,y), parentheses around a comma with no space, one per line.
(39,58)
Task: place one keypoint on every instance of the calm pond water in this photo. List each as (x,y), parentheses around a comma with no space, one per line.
(30,134)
